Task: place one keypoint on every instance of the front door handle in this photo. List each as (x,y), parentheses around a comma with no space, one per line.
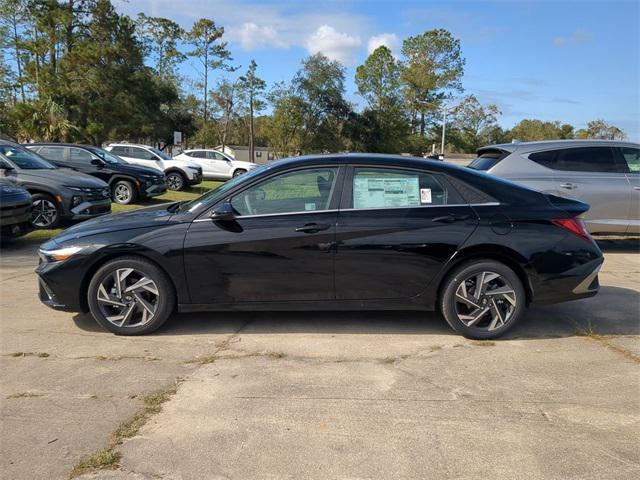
(568,186)
(450,218)
(312,227)
(636,188)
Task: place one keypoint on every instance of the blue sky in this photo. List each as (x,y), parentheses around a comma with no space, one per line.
(572,61)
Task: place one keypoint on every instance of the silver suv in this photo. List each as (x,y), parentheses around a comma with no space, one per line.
(603,173)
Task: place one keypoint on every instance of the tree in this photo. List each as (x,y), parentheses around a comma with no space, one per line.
(283,129)
(320,86)
(473,123)
(252,89)
(530,130)
(12,21)
(378,80)
(160,37)
(212,54)
(601,130)
(433,69)
(226,101)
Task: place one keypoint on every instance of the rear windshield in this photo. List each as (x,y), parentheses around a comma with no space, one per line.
(487,160)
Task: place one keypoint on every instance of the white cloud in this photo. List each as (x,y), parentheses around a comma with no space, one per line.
(252,36)
(389,40)
(334,44)
(579,36)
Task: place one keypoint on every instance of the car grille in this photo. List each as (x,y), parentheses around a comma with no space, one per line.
(97,193)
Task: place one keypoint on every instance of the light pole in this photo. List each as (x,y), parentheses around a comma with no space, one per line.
(444,127)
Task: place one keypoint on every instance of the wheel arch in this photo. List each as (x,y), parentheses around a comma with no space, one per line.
(508,256)
(122,251)
(175,170)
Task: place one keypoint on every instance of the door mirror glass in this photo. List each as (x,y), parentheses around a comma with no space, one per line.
(97,162)
(223,212)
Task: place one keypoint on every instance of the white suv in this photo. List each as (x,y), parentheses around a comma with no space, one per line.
(216,164)
(180,173)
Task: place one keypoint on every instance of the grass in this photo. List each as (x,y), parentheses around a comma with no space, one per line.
(40,236)
(109,457)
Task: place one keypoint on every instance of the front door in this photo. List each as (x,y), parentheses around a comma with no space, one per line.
(219,165)
(278,247)
(397,230)
(631,157)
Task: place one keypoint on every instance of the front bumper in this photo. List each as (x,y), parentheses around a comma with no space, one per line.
(196,179)
(90,209)
(155,190)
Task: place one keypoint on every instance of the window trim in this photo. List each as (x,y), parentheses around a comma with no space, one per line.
(620,167)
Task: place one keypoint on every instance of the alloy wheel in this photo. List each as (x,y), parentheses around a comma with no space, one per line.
(128,298)
(122,193)
(485,301)
(44,213)
(175,181)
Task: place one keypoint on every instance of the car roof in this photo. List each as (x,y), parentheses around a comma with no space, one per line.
(56,144)
(129,145)
(551,144)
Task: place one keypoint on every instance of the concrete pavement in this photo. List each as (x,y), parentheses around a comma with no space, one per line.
(327,395)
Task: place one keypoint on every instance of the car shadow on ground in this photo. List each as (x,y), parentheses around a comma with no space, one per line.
(618,244)
(614,311)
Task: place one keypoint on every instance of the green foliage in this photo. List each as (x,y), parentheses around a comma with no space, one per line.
(473,125)
(531,130)
(601,130)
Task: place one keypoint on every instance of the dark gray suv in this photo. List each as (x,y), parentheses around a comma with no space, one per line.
(58,193)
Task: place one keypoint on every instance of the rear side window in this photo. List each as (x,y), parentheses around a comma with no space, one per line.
(487,160)
(78,155)
(390,188)
(580,159)
(198,154)
(55,154)
(631,158)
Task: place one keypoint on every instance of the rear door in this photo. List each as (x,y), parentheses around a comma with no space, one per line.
(594,176)
(396,229)
(631,159)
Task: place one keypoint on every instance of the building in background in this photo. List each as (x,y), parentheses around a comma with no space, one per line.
(241,152)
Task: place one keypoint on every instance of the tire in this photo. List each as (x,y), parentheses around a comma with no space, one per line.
(238,172)
(176,181)
(123,192)
(138,312)
(45,212)
(502,299)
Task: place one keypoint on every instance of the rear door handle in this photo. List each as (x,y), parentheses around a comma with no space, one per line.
(568,186)
(450,218)
(312,227)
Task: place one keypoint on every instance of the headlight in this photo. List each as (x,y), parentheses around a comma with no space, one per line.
(76,200)
(59,254)
(75,189)
(194,168)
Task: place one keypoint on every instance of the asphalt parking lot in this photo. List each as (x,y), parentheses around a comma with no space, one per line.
(324,395)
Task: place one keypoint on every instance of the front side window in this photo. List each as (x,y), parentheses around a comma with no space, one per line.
(632,158)
(160,154)
(579,159)
(24,158)
(77,155)
(299,191)
(55,154)
(141,153)
(389,188)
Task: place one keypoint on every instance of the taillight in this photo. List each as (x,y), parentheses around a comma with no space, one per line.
(575,226)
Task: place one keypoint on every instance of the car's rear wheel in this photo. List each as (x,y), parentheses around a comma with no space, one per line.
(45,212)
(123,192)
(176,181)
(482,299)
(130,296)
(239,172)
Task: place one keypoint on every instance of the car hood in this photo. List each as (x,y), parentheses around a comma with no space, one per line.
(179,162)
(247,165)
(153,216)
(63,176)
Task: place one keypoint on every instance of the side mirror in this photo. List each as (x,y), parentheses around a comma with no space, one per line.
(97,162)
(223,212)
(6,167)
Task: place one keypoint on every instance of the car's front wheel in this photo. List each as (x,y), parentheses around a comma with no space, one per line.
(45,212)
(130,296)
(482,299)
(239,172)
(176,181)
(123,192)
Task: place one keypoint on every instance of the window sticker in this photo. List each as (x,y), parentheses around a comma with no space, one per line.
(425,195)
(376,192)
(310,206)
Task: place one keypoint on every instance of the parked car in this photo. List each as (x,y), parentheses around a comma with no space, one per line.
(58,193)
(180,173)
(15,211)
(215,164)
(334,232)
(128,183)
(605,174)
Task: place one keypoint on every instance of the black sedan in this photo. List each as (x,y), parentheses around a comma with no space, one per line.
(337,232)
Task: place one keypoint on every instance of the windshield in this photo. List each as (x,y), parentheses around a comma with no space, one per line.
(24,158)
(107,157)
(214,194)
(162,155)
